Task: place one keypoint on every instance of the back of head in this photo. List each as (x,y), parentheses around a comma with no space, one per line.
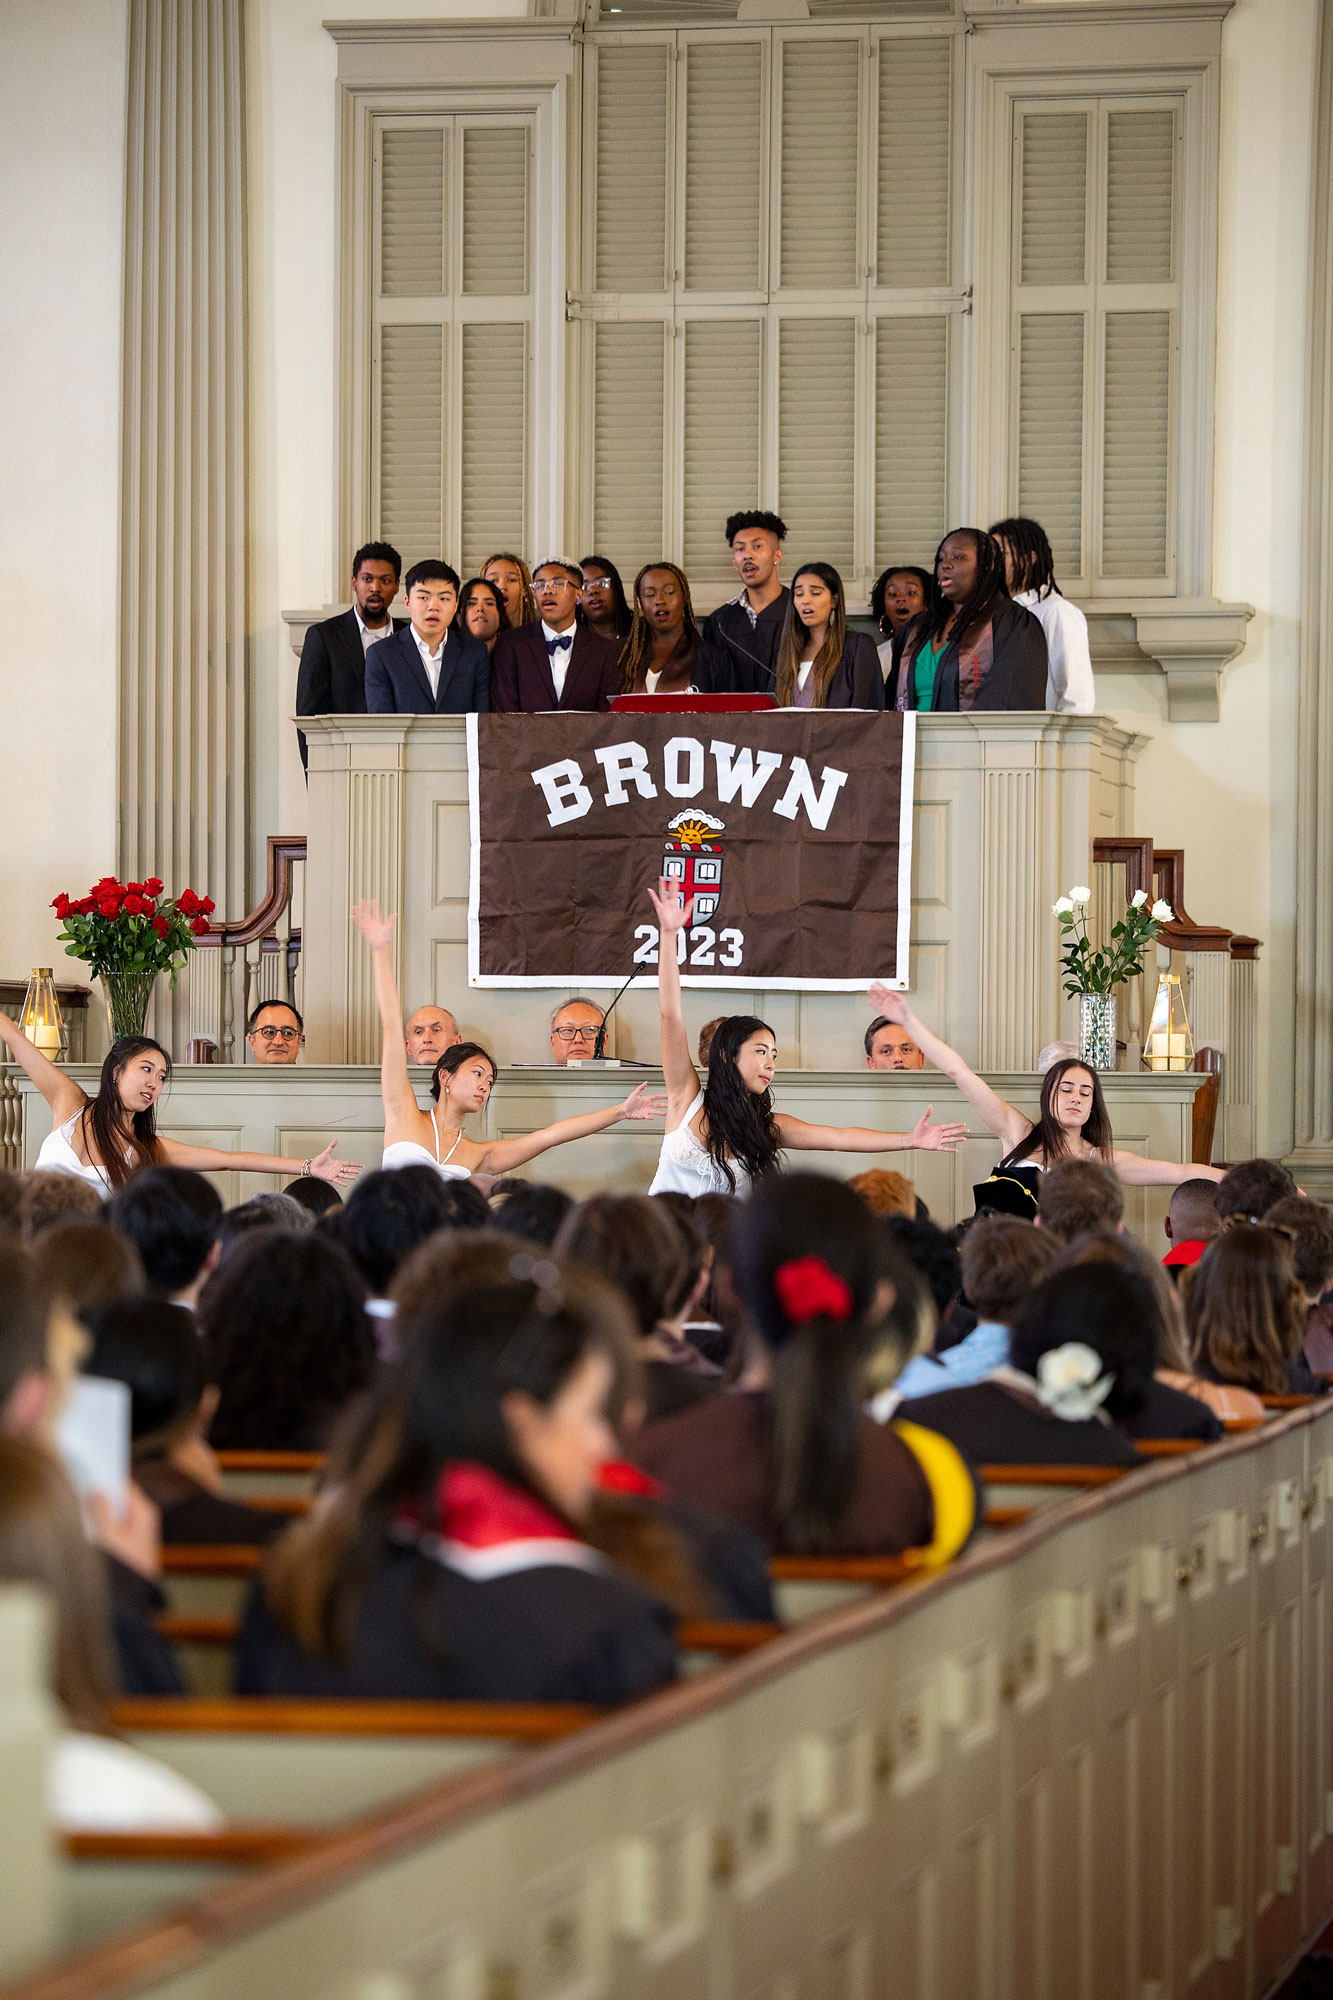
(1193,1211)
(1126,1254)
(884,1192)
(1078,1198)
(46,1199)
(634,1242)
(153,1348)
(42,1543)
(1252,1187)
(387,1215)
(87,1264)
(1310,1226)
(1245,1308)
(171,1215)
(1108,1307)
(1003,1262)
(263,1211)
(23,1320)
(683,1210)
(317,1197)
(534,1211)
(291,1344)
(932,1251)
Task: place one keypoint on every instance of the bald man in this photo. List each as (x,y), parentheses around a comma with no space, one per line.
(429,1033)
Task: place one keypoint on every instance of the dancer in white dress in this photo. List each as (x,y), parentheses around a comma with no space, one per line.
(462,1083)
(724,1136)
(104,1139)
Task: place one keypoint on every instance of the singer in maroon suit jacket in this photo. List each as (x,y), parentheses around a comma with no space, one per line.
(521,682)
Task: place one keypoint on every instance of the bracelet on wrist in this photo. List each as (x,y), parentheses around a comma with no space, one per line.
(305,1169)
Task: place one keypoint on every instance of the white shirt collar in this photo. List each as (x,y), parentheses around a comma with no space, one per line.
(369,634)
(549,632)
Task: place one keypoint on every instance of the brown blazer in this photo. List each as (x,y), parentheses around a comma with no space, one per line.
(521,682)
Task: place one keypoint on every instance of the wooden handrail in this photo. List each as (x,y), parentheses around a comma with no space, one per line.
(284,849)
(1050,1475)
(270,1461)
(272,1715)
(1160,871)
(246,1846)
(1007,1517)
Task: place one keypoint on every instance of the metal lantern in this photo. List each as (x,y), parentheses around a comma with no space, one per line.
(41,1019)
(1169,1043)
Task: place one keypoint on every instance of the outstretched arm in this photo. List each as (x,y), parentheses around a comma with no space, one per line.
(400,1100)
(212,1160)
(1135,1171)
(682,1079)
(60,1091)
(503,1155)
(924,1137)
(1008,1124)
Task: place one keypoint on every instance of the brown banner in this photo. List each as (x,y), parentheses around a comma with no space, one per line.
(790,828)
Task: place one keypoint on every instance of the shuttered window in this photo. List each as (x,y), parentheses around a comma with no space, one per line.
(628,441)
(633,104)
(816,419)
(912,444)
(453,315)
(819,164)
(1096,307)
(913,192)
(721,432)
(724,167)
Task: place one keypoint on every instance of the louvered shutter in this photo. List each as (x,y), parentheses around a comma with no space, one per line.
(723,166)
(493,432)
(1054,198)
(411,212)
(1050,432)
(911,439)
(629,360)
(914,153)
(495,210)
(631,180)
(411,428)
(722,388)
(816,437)
(1136,448)
(820,99)
(1140,196)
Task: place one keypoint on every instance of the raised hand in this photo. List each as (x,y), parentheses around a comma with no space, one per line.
(325,1168)
(672,914)
(889,1002)
(377,930)
(644,1103)
(930,1138)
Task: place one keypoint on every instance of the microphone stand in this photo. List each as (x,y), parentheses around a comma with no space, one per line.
(599,1046)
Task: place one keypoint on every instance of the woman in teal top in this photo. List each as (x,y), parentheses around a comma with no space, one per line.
(973,647)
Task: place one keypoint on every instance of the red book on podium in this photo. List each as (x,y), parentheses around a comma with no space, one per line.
(693,704)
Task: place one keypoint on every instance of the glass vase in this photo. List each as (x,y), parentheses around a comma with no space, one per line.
(1096,1029)
(127,998)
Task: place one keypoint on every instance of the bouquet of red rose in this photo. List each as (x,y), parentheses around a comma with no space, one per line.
(131,928)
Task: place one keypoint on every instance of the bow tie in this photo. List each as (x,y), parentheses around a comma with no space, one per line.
(558,645)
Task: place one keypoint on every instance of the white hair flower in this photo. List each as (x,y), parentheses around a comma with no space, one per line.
(1070,1382)
(1081,897)
(1162,913)
(1138,899)
(1061,907)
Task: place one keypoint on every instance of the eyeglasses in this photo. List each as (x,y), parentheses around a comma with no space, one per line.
(596,583)
(278,1034)
(576,1034)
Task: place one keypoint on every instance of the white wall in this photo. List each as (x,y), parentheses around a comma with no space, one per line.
(62,137)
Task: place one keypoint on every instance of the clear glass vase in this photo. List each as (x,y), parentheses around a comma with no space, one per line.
(1096,1029)
(127,998)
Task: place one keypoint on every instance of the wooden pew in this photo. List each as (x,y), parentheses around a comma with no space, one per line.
(279,1474)
(106,1881)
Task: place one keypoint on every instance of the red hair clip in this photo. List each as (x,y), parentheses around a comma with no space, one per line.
(807,1290)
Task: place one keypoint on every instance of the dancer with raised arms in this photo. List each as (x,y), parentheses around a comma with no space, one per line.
(105,1139)
(1071,1124)
(463,1080)
(725,1134)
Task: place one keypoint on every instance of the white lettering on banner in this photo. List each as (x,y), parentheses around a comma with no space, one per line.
(701,941)
(691,747)
(624,762)
(567,797)
(801,792)
(738,773)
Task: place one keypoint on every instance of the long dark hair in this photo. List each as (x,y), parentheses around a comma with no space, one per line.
(878,609)
(454,1058)
(1047,1135)
(818,1367)
(638,648)
(1112,1309)
(621,615)
(1034,564)
(106,1114)
(465,597)
(792,643)
(989,590)
(1245,1308)
(741,1125)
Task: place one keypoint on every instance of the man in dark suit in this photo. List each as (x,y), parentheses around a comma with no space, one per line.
(331,679)
(743,633)
(554,662)
(432,667)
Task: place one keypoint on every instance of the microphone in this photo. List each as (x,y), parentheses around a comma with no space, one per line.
(599,1046)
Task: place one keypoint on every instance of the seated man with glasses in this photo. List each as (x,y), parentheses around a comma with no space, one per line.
(574,1026)
(275,1032)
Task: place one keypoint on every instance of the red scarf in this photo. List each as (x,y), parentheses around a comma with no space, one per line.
(488,1528)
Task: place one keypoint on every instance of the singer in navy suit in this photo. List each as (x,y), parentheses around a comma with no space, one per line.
(397,683)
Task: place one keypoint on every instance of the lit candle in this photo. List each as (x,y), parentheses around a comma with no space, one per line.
(46,1039)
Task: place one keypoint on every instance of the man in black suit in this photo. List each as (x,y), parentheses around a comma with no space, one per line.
(743,634)
(331,679)
(554,662)
(432,667)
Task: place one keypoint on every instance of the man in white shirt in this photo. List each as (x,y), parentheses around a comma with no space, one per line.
(554,662)
(1029,570)
(331,679)
(433,667)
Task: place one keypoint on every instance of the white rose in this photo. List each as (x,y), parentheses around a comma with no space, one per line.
(1081,896)
(1070,1383)
(1138,899)
(1062,907)
(1162,913)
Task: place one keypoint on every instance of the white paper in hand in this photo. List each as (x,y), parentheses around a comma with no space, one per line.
(93,1438)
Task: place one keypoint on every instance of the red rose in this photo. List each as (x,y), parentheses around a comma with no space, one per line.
(208,906)
(82,907)
(200,926)
(134,904)
(61,906)
(108,909)
(154,885)
(160,925)
(187,903)
(134,888)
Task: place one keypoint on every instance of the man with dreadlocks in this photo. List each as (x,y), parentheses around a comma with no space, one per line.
(973,648)
(1029,571)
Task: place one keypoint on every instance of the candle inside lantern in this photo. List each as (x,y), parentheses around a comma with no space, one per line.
(46,1039)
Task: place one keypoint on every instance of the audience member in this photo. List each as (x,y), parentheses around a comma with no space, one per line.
(316,1197)
(1245,1310)
(1191,1224)
(820,662)
(973,648)
(429,1032)
(1079,1198)
(88,1265)
(263,1211)
(933,1253)
(884,1193)
(1002,1263)
(431,667)
(173,1217)
(1029,573)
(331,679)
(554,662)
(1054,1052)
(275,1032)
(289,1338)
(1180,1403)
(790,1453)
(10,1188)
(1251,1188)
(692,1316)
(530,1209)
(720,1307)
(510,576)
(899,595)
(27,1381)
(602,599)
(706,1034)
(661,653)
(153,1348)
(1310,1227)
(388,1216)
(743,634)
(574,1029)
(889,1046)
(49,1200)
(481,612)
(450,1560)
